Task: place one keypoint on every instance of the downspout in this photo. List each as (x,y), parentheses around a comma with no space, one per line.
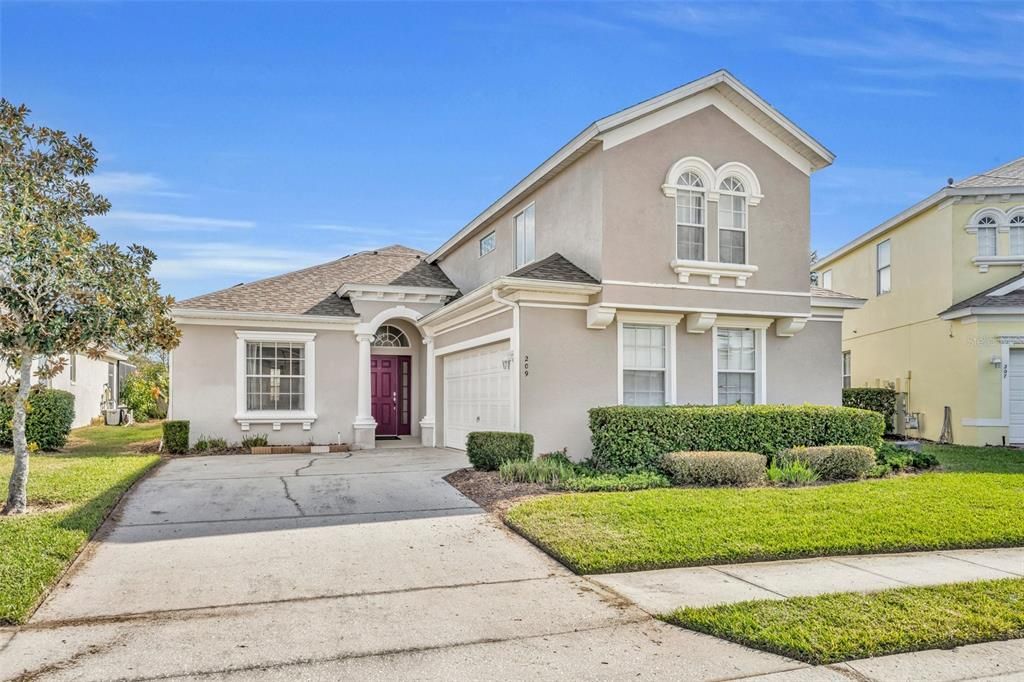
(515,353)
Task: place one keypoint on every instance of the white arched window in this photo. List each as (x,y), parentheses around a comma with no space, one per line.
(1017,235)
(732,221)
(691,217)
(986,228)
(389,336)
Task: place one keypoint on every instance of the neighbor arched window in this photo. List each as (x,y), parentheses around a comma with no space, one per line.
(1017,235)
(691,216)
(389,336)
(732,221)
(986,230)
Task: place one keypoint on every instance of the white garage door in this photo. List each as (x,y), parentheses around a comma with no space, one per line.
(477,393)
(1016,377)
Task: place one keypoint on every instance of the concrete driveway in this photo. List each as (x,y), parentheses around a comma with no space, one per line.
(359,566)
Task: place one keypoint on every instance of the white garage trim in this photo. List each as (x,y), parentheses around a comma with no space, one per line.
(478,392)
(484,340)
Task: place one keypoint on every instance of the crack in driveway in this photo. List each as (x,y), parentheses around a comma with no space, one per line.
(288,495)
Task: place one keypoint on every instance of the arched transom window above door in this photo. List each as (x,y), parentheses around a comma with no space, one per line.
(390,336)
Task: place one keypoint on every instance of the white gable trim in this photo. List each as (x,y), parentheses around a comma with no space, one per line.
(1012,286)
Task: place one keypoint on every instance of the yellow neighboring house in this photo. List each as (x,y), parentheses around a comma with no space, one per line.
(944,318)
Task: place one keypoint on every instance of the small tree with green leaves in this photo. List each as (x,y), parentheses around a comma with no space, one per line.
(62,290)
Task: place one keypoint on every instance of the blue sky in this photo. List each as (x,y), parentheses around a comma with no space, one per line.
(240,140)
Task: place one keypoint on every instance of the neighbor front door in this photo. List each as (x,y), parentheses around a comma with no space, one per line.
(390,393)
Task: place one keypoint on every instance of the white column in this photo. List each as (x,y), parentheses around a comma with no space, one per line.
(427,430)
(365,426)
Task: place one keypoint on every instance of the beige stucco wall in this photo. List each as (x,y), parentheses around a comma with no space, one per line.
(203,388)
(806,367)
(567,219)
(967,280)
(488,325)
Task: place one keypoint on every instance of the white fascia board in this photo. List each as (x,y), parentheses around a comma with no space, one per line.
(586,139)
(355,288)
(983,312)
(903,216)
(233,318)
(1011,287)
(829,302)
(504,285)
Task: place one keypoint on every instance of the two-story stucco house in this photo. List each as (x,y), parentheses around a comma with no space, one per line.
(659,257)
(944,318)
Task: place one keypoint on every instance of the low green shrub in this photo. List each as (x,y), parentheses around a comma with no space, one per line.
(635,438)
(255,440)
(897,459)
(715,468)
(594,482)
(791,473)
(205,444)
(176,436)
(48,418)
(923,460)
(488,449)
(546,470)
(137,394)
(832,462)
(878,471)
(880,400)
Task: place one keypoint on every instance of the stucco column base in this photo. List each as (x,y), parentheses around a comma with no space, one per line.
(363,436)
(427,433)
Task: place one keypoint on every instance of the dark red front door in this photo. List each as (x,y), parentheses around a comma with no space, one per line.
(390,391)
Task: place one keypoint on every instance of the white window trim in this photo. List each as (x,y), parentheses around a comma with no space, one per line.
(826,275)
(515,240)
(246,417)
(844,356)
(760,359)
(746,219)
(1002,219)
(481,252)
(73,368)
(878,269)
(668,320)
(714,271)
(675,212)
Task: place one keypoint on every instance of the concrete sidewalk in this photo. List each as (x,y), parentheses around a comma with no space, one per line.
(668,589)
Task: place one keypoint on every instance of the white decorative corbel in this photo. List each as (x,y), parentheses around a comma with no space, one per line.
(788,326)
(698,323)
(599,316)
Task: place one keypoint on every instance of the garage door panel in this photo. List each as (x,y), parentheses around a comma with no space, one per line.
(477,393)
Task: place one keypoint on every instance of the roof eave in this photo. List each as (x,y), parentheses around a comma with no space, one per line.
(832,302)
(192,315)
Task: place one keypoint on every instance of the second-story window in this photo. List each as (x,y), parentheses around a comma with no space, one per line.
(487,243)
(987,236)
(524,229)
(732,221)
(826,279)
(1017,235)
(690,217)
(883,270)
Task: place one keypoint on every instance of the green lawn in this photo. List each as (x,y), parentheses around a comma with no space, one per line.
(843,627)
(69,495)
(974,502)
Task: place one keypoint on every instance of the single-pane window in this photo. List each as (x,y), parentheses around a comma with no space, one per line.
(732,246)
(487,244)
(1017,235)
(524,228)
(275,375)
(826,279)
(644,364)
(846,369)
(883,258)
(737,367)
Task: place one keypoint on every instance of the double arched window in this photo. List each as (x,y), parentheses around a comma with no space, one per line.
(691,217)
(389,336)
(986,225)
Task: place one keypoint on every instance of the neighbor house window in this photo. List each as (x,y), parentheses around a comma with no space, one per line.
(524,229)
(389,336)
(846,369)
(487,244)
(883,270)
(691,216)
(73,368)
(987,236)
(826,279)
(275,376)
(1017,235)
(732,221)
(644,364)
(737,366)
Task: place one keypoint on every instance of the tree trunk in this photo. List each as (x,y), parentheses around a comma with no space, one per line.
(17,491)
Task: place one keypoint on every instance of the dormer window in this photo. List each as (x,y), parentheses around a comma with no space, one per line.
(691,217)
(987,228)
(732,221)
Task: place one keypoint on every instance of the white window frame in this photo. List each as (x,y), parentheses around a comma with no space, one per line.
(1016,225)
(493,237)
(826,279)
(759,327)
(879,268)
(990,227)
(529,214)
(669,321)
(745,194)
(243,415)
(73,368)
(847,369)
(703,193)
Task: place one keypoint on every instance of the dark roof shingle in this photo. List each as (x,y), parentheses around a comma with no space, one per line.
(312,291)
(554,268)
(985,300)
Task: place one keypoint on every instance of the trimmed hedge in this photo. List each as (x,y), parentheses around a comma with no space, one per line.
(48,422)
(880,400)
(634,438)
(176,436)
(715,468)
(831,462)
(487,450)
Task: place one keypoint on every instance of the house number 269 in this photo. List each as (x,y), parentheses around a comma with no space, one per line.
(526,365)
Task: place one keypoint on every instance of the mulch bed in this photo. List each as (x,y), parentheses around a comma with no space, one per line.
(487,490)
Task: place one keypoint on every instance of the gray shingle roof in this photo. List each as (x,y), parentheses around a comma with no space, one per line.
(312,291)
(1008,175)
(554,268)
(984,300)
(829,293)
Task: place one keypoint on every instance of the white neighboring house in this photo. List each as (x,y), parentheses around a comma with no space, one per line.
(85,378)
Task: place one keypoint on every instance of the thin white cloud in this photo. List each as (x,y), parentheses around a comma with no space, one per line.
(217,260)
(893,92)
(167,222)
(122,183)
